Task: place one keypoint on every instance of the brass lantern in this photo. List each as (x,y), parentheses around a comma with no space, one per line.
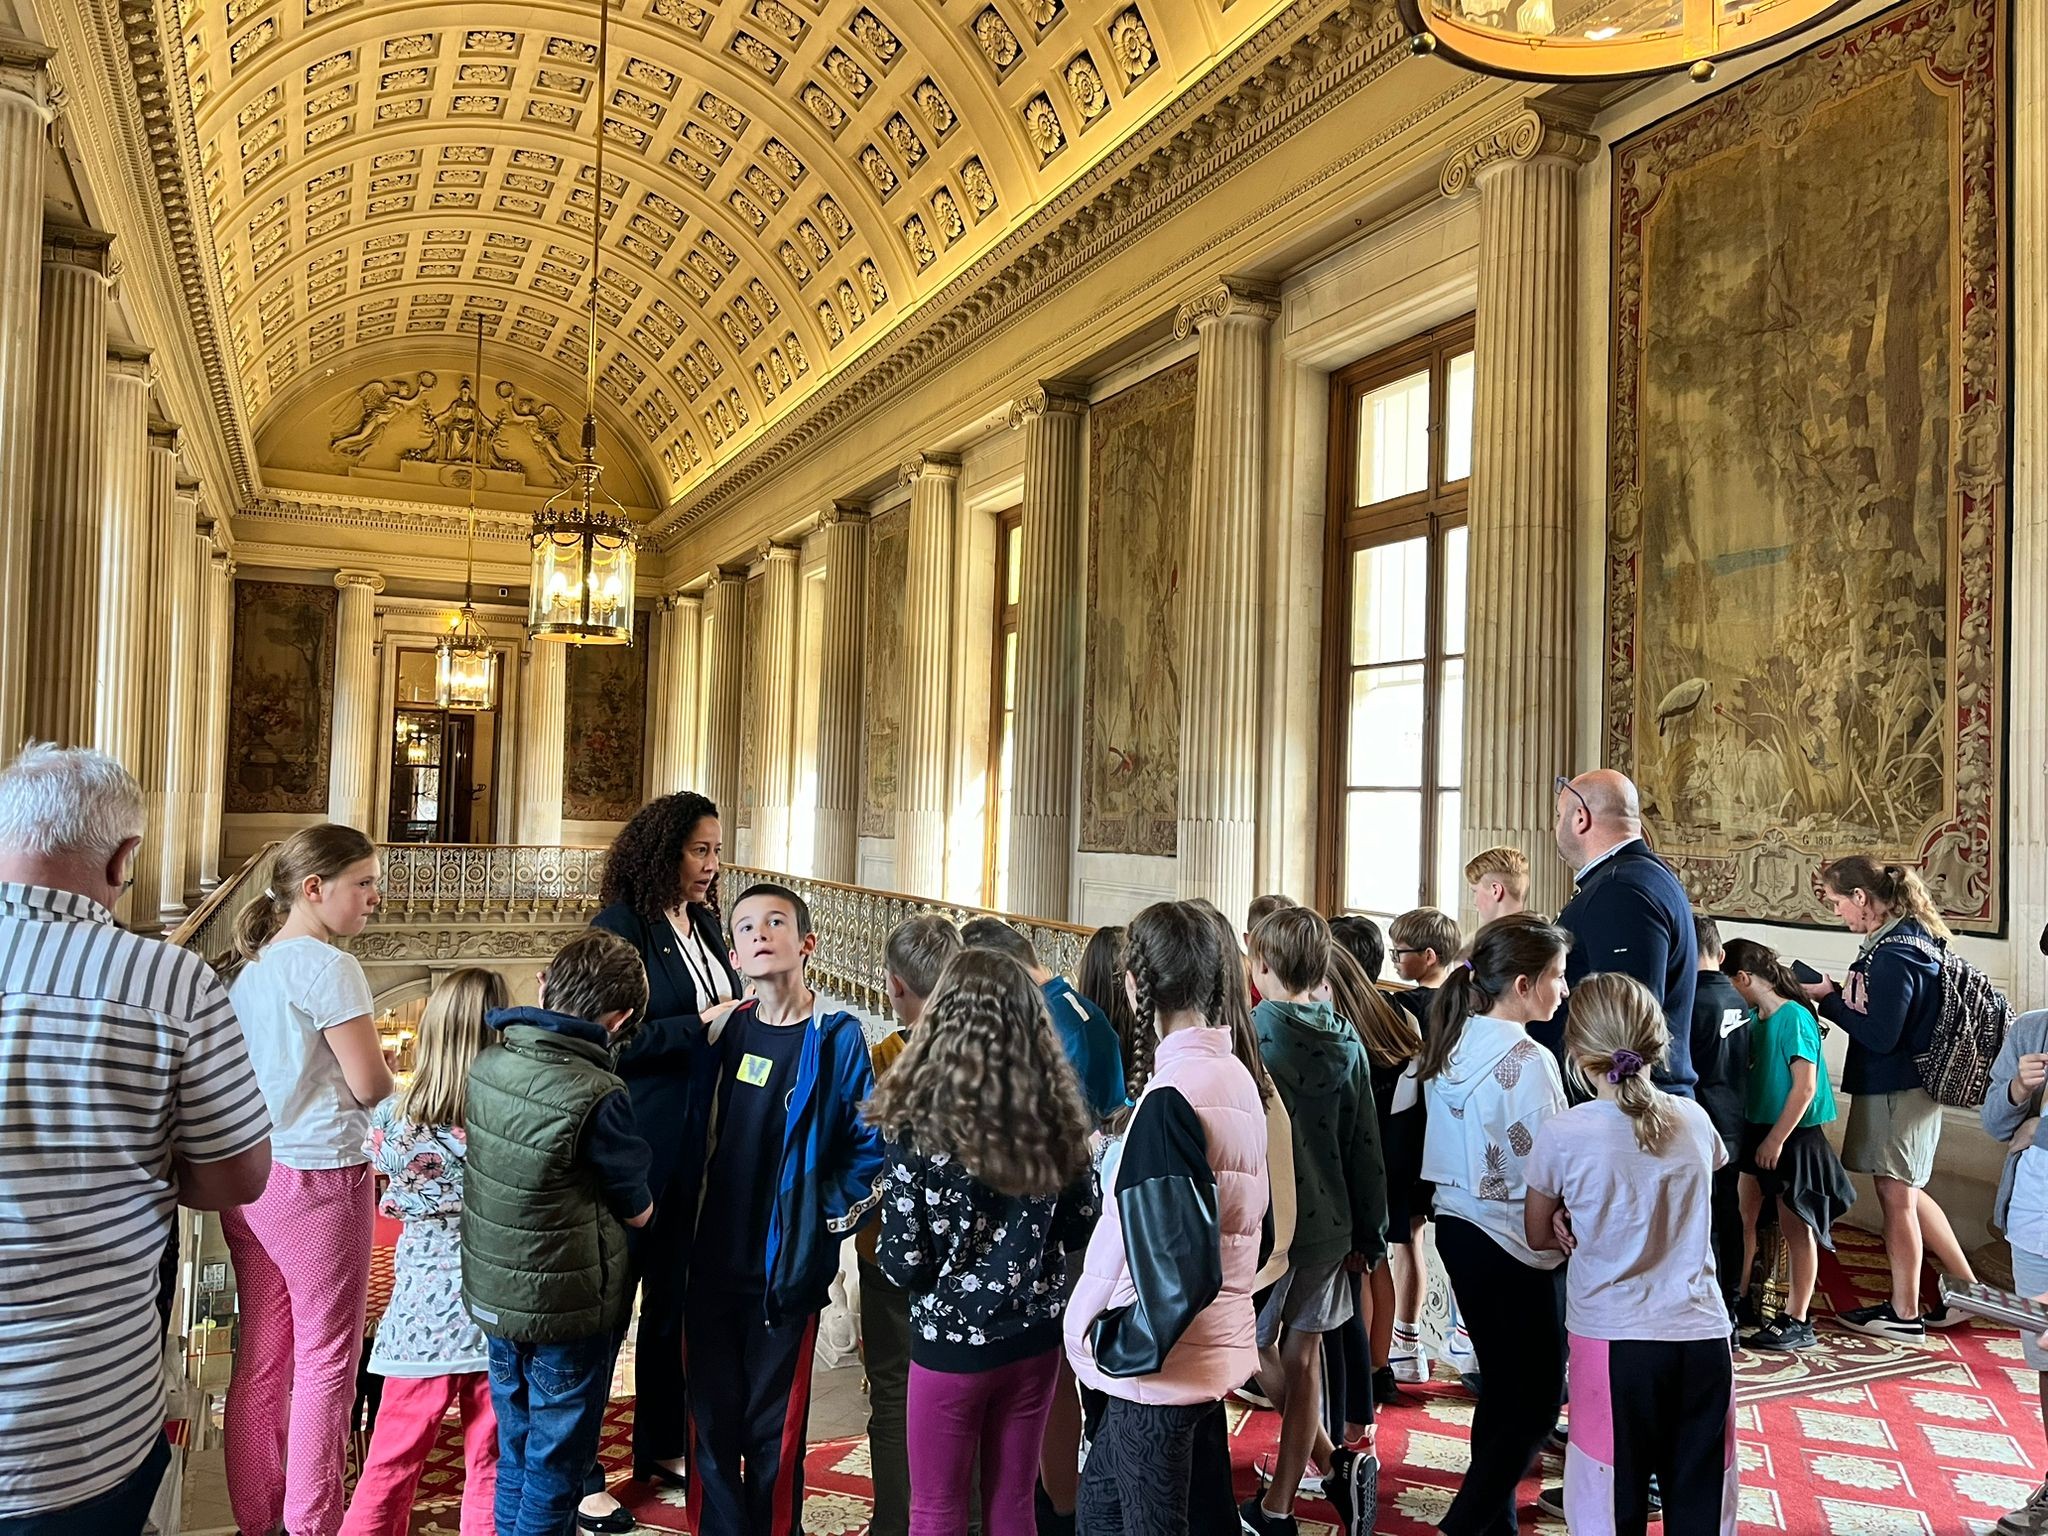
(1605,39)
(584,545)
(465,662)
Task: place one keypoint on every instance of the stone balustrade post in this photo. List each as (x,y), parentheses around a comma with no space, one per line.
(842,641)
(24,116)
(352,765)
(928,646)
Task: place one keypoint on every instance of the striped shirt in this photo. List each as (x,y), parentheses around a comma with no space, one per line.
(117,1054)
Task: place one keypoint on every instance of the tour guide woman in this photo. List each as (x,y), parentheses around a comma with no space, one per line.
(661,896)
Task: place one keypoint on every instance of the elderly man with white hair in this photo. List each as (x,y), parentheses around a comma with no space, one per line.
(128,1093)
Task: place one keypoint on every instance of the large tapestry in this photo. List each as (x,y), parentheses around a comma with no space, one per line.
(1807,497)
(605,726)
(888,569)
(1141,459)
(281,704)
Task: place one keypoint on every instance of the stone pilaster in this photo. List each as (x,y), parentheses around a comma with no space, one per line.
(217,589)
(1518,643)
(842,638)
(1050,594)
(725,605)
(2027,704)
(928,644)
(150,664)
(70,467)
(178,678)
(1219,760)
(672,693)
(543,733)
(661,721)
(24,114)
(352,765)
(774,706)
(124,575)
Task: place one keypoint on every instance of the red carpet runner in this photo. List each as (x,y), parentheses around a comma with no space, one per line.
(1860,1437)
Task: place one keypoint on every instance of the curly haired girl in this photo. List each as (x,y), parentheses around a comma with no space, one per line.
(987,1188)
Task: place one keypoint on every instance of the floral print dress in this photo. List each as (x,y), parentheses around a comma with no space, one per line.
(425,1330)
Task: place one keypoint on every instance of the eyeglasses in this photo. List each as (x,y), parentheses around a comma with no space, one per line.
(1564,786)
(1397,951)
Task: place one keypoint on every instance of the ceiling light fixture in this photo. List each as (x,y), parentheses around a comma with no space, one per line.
(1604,39)
(465,662)
(584,545)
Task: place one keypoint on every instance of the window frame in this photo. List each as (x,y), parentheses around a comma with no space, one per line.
(1432,514)
(1001,632)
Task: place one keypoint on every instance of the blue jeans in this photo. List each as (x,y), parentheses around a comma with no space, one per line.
(550,1402)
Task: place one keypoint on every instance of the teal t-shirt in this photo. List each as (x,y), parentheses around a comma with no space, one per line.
(1787,1034)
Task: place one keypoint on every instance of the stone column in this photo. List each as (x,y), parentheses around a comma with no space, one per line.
(543,733)
(2028,701)
(685,642)
(24,114)
(143,653)
(177,677)
(1518,645)
(774,706)
(123,582)
(1050,599)
(352,764)
(1219,760)
(842,675)
(660,718)
(71,450)
(726,606)
(217,618)
(928,641)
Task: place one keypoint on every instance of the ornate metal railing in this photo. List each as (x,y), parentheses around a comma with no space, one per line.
(450,882)
(853,924)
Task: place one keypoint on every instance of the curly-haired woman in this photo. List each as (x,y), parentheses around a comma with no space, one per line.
(661,896)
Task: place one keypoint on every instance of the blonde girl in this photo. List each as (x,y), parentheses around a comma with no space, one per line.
(1624,1184)
(302,1251)
(429,1350)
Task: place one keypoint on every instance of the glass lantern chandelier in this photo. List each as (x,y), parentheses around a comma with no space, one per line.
(465,662)
(1604,39)
(584,546)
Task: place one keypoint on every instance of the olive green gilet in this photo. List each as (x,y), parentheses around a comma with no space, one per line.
(543,1257)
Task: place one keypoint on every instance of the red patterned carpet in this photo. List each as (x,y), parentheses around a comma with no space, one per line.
(1861,1437)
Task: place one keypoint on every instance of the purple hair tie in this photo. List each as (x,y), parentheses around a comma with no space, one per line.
(1626,1065)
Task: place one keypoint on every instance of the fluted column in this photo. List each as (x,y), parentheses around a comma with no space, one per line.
(1518,643)
(182,676)
(774,706)
(1050,591)
(138,656)
(842,640)
(928,642)
(1219,761)
(121,622)
(725,664)
(220,642)
(71,452)
(660,717)
(2028,700)
(353,762)
(543,733)
(672,693)
(24,113)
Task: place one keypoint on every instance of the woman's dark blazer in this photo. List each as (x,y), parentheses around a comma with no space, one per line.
(656,1063)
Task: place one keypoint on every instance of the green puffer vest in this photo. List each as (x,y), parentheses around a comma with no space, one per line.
(543,1257)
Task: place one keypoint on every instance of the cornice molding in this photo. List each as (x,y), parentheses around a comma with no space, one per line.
(1231,298)
(1052,397)
(928,466)
(1531,132)
(396,517)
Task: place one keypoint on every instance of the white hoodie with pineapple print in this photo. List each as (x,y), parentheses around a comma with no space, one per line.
(1484,1110)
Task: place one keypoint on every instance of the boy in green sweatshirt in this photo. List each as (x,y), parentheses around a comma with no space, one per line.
(1319,1066)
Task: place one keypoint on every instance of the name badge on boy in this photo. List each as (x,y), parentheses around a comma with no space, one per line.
(755,1070)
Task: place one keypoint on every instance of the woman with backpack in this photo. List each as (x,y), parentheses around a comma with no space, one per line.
(1889,1005)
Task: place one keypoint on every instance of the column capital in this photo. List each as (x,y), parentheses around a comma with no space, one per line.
(188,485)
(686,602)
(374,580)
(1049,397)
(73,245)
(772,553)
(1229,298)
(130,362)
(929,466)
(24,72)
(163,435)
(850,512)
(1525,134)
(726,575)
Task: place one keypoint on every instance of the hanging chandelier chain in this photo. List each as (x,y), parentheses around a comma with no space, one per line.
(475,469)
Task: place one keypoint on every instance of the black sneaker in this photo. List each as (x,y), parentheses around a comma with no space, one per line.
(1337,1489)
(1251,1514)
(1469,1380)
(1250,1393)
(1943,1316)
(1361,1484)
(1785,1333)
(1882,1322)
(1386,1391)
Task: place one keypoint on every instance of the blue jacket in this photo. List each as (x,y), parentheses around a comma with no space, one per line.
(1888,1005)
(1630,914)
(1090,1042)
(829,1165)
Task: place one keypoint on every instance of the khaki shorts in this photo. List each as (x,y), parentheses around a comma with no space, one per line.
(1893,1136)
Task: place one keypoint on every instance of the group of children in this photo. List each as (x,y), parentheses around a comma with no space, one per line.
(1206,1167)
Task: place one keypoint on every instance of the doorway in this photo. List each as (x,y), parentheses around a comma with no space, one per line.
(443,763)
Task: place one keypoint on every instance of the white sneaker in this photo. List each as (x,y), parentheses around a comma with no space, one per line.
(1458,1352)
(1409,1364)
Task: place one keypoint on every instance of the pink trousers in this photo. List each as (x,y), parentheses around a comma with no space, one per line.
(302,1271)
(408,1420)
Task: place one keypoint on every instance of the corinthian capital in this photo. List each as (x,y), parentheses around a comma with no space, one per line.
(930,466)
(1232,298)
(1049,398)
(24,72)
(1524,134)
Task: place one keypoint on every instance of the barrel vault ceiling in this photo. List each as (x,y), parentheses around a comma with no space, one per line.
(784,180)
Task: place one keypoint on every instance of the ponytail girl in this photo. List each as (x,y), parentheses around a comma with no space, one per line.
(1487,1090)
(302,1252)
(1624,1183)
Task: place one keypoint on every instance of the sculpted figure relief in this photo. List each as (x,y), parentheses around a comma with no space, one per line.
(381,402)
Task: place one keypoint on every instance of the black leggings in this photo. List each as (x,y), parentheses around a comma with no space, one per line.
(1347,1369)
(1515,1314)
(1157,1469)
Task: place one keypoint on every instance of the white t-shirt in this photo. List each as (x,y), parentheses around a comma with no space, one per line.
(2026,1220)
(1644,1265)
(286,997)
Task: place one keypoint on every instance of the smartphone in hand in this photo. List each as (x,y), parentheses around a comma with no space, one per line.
(1807,973)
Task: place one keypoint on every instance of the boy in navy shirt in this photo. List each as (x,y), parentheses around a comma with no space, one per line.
(787,1171)
(1085,1032)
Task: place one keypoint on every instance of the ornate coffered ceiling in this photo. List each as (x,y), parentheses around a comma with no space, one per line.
(784,181)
